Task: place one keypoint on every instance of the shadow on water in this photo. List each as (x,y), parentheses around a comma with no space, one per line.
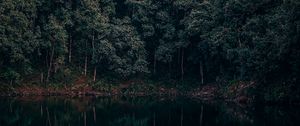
(141,111)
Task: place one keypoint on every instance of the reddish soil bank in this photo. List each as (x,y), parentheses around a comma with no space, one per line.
(49,91)
(239,92)
(236,92)
(83,91)
(81,88)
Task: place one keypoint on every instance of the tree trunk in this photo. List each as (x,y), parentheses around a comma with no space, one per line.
(154,66)
(178,57)
(42,77)
(85,63)
(93,46)
(93,56)
(95,74)
(201,72)
(50,65)
(46,59)
(169,69)
(219,77)
(56,67)
(182,70)
(241,61)
(1,62)
(70,49)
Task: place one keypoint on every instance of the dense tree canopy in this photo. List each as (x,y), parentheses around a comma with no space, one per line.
(209,40)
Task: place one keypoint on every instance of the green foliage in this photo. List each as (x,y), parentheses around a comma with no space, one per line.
(103,86)
(208,40)
(129,55)
(10,75)
(19,37)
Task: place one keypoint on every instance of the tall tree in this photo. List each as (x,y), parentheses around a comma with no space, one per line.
(56,36)
(19,37)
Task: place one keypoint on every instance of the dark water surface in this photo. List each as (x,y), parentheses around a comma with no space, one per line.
(142,111)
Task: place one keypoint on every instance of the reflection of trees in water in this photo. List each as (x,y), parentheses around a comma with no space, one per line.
(232,114)
(55,111)
(137,112)
(280,116)
(129,121)
(260,115)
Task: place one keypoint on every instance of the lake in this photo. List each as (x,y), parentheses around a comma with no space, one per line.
(139,111)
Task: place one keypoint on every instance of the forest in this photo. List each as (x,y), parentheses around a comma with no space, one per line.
(198,41)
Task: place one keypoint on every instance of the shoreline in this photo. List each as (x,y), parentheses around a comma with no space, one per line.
(203,93)
(237,92)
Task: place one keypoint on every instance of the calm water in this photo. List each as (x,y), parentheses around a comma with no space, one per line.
(57,111)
